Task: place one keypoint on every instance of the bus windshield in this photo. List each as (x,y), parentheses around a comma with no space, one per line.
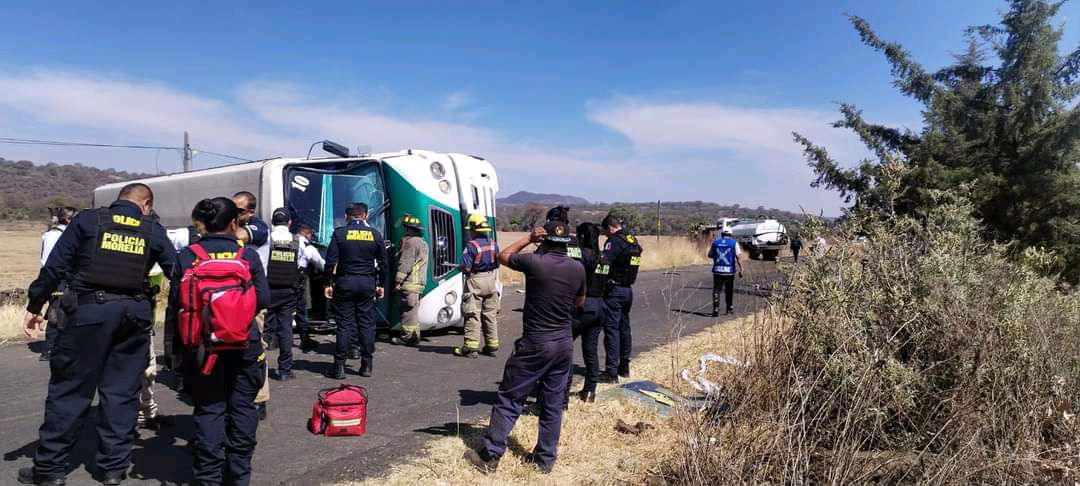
(318,194)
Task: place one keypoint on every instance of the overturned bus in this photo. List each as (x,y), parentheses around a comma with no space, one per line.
(440,189)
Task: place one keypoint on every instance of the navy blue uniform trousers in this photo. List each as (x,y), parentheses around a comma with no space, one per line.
(541,363)
(589,326)
(354,309)
(103,349)
(617,328)
(225,417)
(279,322)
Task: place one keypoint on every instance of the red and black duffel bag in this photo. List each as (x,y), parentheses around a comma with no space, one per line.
(340,411)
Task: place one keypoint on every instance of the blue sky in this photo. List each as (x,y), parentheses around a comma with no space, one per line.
(605,100)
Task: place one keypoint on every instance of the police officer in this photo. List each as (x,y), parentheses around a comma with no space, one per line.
(480,302)
(104,255)
(410,279)
(724,252)
(590,321)
(542,358)
(254,232)
(315,262)
(623,252)
(226,416)
(357,259)
(48,241)
(289,259)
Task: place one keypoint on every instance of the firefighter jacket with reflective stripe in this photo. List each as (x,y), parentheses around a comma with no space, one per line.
(412,265)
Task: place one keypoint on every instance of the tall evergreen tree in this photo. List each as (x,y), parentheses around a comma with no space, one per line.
(1007,134)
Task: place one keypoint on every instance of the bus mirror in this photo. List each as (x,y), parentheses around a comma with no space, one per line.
(335,148)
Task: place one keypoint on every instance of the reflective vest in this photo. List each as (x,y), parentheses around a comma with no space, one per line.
(723,251)
(120,254)
(283,270)
(486,258)
(624,269)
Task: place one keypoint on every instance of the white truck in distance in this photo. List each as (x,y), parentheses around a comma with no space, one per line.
(761,239)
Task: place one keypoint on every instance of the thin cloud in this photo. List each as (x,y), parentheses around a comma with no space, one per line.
(761,134)
(457,100)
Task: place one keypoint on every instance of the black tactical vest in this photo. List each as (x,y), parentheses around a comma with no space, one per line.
(599,278)
(120,255)
(283,270)
(624,271)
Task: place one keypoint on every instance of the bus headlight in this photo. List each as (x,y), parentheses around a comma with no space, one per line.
(444,186)
(444,315)
(437,170)
(450,298)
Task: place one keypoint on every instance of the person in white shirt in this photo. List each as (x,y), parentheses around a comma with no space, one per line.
(48,241)
(315,261)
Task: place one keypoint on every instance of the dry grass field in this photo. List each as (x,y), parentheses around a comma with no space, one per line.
(590,450)
(22,251)
(669,252)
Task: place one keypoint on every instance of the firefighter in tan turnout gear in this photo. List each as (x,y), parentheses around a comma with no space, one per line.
(410,280)
(480,304)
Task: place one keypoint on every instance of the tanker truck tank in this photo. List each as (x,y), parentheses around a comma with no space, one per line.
(761,239)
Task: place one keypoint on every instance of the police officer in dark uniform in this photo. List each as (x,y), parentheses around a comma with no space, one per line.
(284,273)
(356,258)
(226,416)
(590,321)
(105,256)
(623,253)
(542,358)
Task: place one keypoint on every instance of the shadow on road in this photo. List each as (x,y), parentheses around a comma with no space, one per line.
(158,456)
(477,397)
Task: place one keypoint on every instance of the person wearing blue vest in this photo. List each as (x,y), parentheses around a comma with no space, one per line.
(724,252)
(480,304)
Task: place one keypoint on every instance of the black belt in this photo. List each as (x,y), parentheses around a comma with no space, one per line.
(101,297)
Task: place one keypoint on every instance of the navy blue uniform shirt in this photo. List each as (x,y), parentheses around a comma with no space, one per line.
(553,281)
(76,245)
(489,259)
(224,246)
(357,249)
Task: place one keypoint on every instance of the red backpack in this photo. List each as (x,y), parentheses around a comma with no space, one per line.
(217,305)
(340,411)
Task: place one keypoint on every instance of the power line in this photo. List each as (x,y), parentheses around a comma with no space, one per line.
(26,141)
(58,143)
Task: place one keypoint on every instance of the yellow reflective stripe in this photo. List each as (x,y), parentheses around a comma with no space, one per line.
(345,423)
(472,344)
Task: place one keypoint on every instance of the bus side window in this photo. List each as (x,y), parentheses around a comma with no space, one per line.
(475,198)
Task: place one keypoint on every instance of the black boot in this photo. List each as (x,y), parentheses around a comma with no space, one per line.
(307,344)
(337,372)
(624,369)
(482,461)
(365,369)
(587,395)
(28,476)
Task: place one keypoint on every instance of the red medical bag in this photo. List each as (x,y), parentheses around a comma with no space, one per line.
(340,411)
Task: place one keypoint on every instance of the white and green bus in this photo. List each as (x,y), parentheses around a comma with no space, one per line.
(439,188)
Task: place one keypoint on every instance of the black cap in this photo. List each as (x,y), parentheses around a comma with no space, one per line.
(280,216)
(557,232)
(559,213)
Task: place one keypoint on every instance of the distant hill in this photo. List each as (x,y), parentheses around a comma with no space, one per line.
(676,217)
(27,190)
(525,197)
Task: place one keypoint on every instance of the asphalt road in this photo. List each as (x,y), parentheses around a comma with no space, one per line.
(415,394)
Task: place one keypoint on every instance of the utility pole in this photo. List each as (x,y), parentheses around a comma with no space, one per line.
(187,153)
(658,221)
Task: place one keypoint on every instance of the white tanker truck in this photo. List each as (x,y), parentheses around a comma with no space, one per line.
(761,239)
(440,189)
